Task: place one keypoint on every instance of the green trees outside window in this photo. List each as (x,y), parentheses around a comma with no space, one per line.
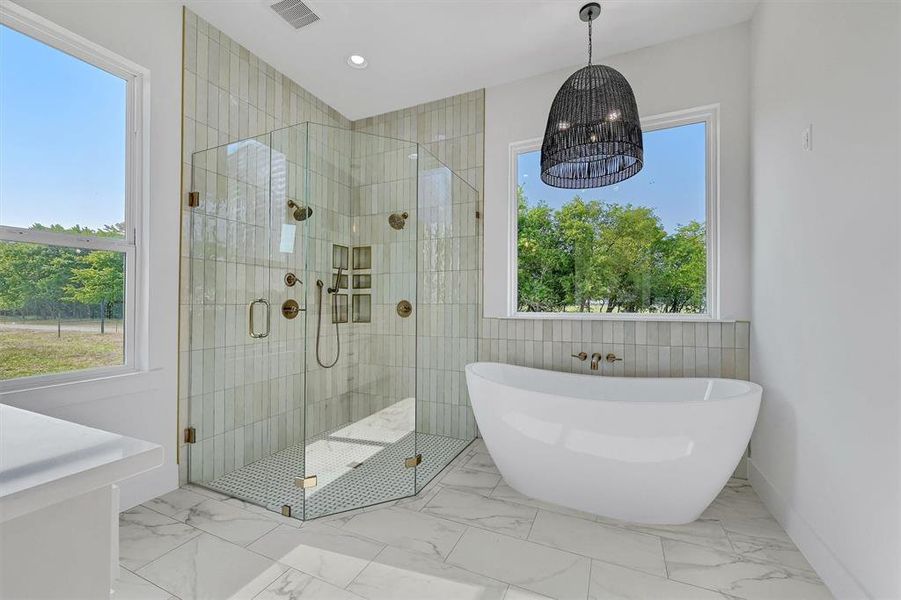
(61,308)
(49,282)
(592,256)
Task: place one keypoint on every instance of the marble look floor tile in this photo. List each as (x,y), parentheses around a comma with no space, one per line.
(736,500)
(210,568)
(515,593)
(419,501)
(409,530)
(762,526)
(326,552)
(263,512)
(340,519)
(612,582)
(131,587)
(471,509)
(397,574)
(477,446)
(703,532)
(227,521)
(612,544)
(771,550)
(175,502)
(145,535)
(481,461)
(738,576)
(198,489)
(469,480)
(505,492)
(524,564)
(459,460)
(294,585)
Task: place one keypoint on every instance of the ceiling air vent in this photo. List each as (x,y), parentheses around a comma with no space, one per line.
(295,12)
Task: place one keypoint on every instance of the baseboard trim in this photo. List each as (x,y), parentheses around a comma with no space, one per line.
(840,581)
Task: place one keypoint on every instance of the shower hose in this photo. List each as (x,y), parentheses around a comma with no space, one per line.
(320,285)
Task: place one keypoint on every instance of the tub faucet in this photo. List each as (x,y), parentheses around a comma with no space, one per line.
(595,359)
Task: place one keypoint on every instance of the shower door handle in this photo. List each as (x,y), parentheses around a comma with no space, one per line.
(250,327)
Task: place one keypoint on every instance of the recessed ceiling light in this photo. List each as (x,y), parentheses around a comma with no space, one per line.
(357,62)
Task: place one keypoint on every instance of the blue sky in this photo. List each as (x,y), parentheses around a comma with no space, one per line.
(62,137)
(671,181)
(62,148)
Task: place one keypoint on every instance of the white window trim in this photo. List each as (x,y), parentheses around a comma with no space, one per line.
(709,115)
(137,189)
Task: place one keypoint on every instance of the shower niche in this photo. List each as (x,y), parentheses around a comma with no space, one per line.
(273,424)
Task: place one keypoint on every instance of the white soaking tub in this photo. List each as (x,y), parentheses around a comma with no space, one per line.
(646,450)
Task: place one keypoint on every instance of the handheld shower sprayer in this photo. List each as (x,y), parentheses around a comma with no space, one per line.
(333,291)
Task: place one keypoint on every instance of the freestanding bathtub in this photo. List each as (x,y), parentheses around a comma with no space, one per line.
(645,450)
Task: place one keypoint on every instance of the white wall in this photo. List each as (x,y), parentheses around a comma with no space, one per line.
(703,69)
(825,300)
(142,405)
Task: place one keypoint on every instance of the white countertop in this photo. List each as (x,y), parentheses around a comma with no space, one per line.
(44,460)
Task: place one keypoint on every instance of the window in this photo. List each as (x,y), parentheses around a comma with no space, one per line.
(645,246)
(70,185)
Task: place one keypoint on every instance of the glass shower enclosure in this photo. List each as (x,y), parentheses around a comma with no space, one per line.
(329,272)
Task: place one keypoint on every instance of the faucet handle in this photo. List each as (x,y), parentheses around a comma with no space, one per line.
(611,358)
(581,356)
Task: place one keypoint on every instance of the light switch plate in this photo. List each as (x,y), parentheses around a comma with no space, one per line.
(807,138)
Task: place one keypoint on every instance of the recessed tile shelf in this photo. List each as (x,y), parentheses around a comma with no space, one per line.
(362,257)
(362,308)
(363,281)
(339,308)
(339,256)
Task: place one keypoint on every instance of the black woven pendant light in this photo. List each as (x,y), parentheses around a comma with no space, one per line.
(593,135)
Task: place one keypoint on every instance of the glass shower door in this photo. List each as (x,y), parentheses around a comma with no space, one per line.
(360,406)
(232,317)
(332,304)
(287,283)
(449,259)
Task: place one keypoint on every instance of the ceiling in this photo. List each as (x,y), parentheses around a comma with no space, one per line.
(422,50)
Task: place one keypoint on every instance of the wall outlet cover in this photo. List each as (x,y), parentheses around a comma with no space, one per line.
(807,138)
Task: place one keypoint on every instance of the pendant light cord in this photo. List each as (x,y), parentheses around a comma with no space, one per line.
(589,41)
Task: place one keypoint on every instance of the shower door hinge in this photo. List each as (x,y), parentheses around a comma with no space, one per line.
(412,461)
(478,214)
(190,435)
(193,199)
(286,510)
(306,482)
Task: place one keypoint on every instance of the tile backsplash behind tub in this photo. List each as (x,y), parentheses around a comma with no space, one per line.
(648,348)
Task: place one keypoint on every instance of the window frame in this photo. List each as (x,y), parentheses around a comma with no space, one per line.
(709,115)
(137,117)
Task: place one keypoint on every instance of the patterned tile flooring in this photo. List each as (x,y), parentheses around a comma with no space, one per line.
(357,464)
(466,536)
(360,473)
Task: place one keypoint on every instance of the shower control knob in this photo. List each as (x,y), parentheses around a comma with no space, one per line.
(290,309)
(581,356)
(404,309)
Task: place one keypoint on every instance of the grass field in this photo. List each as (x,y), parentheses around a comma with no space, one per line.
(25,352)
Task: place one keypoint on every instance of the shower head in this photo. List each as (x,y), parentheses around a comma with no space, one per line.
(301,213)
(398,220)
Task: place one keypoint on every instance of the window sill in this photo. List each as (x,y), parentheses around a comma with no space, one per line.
(44,394)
